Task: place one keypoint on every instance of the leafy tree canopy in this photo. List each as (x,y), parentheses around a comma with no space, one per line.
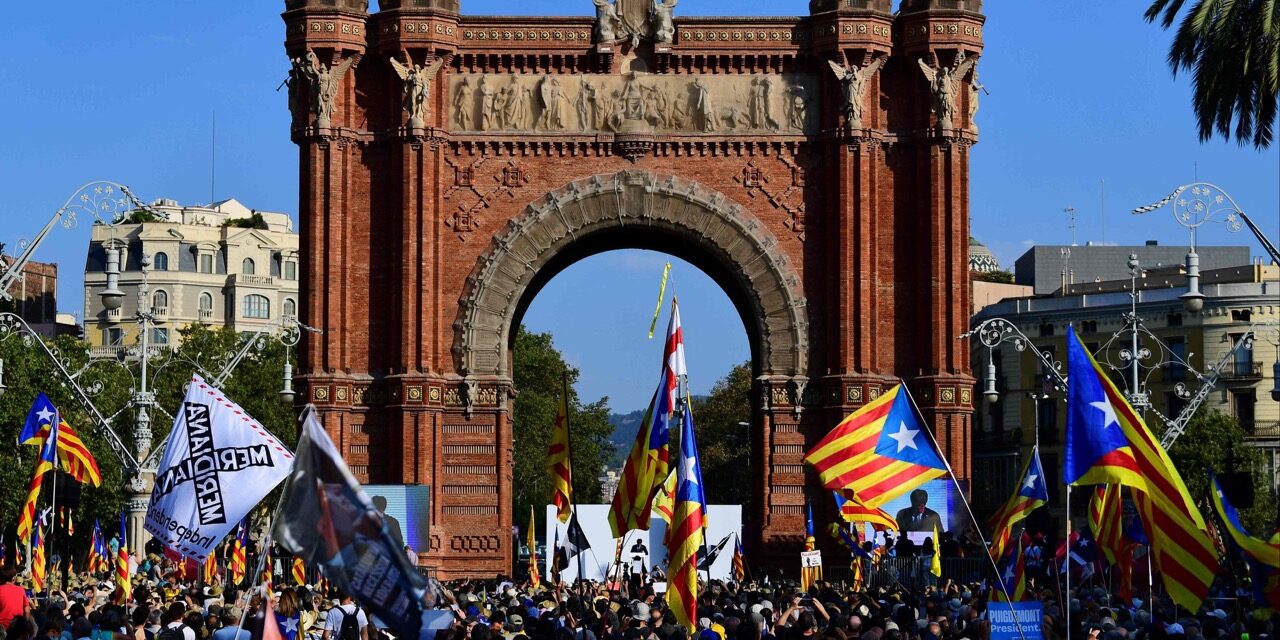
(1214,440)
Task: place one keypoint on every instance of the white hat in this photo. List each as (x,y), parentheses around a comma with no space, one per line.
(1174,628)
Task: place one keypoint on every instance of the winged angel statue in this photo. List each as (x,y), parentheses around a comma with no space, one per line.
(323,82)
(943,82)
(853,81)
(417,88)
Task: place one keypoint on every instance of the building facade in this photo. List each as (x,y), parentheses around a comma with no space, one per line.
(34,296)
(1238,298)
(815,166)
(221,265)
(1052,267)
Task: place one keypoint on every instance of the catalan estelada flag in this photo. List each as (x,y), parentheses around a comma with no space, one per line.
(38,560)
(124,584)
(739,562)
(97,558)
(535,578)
(77,461)
(664,502)
(879,452)
(238,549)
(851,510)
(558,458)
(1013,575)
(1106,520)
(687,533)
(1031,494)
(647,464)
(1108,443)
(267,568)
(1262,551)
(46,463)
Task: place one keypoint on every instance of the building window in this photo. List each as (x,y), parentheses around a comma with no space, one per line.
(206,305)
(290,270)
(290,307)
(256,306)
(1243,364)
(113,336)
(246,267)
(206,263)
(160,302)
(1241,315)
(1177,369)
(161,262)
(159,336)
(1243,404)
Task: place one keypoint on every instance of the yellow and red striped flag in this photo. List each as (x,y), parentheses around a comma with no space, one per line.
(124,585)
(664,502)
(1108,443)
(238,568)
(559,465)
(852,510)
(739,562)
(211,568)
(299,571)
(75,456)
(38,560)
(48,458)
(647,463)
(1031,494)
(1106,520)
(878,452)
(535,578)
(266,567)
(687,534)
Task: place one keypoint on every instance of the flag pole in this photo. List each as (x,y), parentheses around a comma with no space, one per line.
(568,440)
(1066,560)
(986,549)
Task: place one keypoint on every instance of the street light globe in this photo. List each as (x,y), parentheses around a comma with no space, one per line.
(112,298)
(1192,301)
(1275,382)
(286,396)
(992,396)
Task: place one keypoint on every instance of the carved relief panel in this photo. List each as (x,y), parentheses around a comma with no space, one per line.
(585,103)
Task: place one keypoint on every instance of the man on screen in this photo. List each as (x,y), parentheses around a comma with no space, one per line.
(918,516)
(380,503)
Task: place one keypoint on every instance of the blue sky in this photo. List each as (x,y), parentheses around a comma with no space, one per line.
(1079,94)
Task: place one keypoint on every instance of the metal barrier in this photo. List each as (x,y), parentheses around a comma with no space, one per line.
(910,573)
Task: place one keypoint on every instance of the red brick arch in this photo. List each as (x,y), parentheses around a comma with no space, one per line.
(638,205)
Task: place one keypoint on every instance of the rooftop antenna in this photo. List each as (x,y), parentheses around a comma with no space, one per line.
(1071,223)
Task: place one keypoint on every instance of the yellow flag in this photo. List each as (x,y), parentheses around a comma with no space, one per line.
(935,564)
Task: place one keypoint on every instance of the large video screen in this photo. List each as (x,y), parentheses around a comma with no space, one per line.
(940,498)
(408,511)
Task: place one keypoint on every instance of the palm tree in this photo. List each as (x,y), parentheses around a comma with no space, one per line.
(1232,48)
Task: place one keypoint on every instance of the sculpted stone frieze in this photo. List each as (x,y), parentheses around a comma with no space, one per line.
(585,103)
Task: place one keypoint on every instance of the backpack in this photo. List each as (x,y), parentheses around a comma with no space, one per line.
(174,633)
(350,628)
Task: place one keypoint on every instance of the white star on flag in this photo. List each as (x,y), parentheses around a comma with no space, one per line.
(45,415)
(1031,481)
(905,437)
(690,469)
(1108,412)
(290,625)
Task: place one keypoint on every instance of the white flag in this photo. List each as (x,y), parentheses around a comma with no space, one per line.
(218,463)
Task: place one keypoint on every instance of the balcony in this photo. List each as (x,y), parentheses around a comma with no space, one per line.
(240,279)
(1242,373)
(1261,430)
(206,315)
(114,315)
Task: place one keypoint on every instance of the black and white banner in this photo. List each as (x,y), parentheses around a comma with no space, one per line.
(218,464)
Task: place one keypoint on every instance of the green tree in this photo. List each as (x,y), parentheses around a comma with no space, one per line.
(1232,48)
(539,371)
(1214,440)
(724,444)
(27,371)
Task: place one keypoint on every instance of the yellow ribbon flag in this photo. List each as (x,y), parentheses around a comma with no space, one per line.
(935,564)
(662,293)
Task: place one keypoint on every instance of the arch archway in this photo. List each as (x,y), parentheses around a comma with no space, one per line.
(633,209)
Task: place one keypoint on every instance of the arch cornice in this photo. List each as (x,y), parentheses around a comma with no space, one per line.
(735,239)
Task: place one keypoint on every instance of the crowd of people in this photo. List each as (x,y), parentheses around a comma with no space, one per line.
(164,607)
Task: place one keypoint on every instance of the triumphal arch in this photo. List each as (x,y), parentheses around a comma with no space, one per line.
(816,166)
